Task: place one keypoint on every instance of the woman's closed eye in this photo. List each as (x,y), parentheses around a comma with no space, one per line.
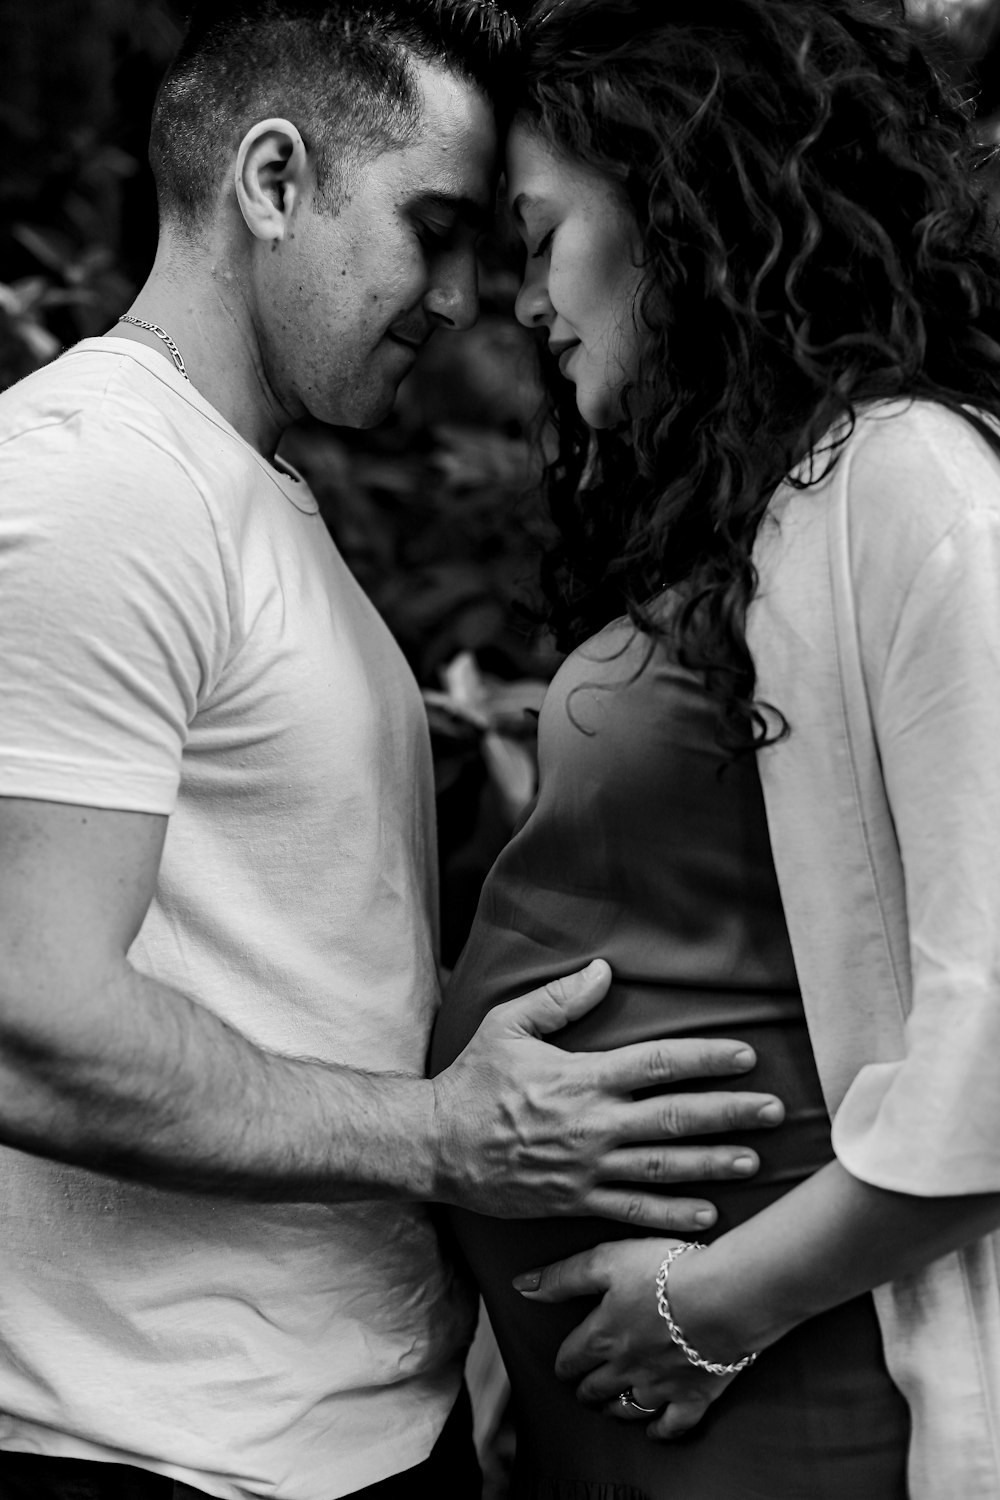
(543,245)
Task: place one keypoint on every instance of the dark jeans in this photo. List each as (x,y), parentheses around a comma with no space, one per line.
(451,1469)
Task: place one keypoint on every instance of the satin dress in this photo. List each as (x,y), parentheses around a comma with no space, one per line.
(645,847)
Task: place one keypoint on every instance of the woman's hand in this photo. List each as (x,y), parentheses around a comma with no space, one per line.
(624,1345)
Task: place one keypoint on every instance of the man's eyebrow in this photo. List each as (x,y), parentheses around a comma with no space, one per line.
(478,215)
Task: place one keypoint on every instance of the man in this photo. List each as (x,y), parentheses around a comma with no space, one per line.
(217,968)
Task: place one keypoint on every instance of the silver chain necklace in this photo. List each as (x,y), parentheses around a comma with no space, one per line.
(161,333)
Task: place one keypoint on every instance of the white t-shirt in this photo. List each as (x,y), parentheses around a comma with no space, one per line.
(179,635)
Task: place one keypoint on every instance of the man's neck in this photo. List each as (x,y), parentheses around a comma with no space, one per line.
(197,296)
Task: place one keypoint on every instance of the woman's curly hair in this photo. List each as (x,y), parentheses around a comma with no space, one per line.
(814,240)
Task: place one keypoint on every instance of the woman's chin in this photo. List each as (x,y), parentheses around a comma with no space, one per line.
(600,407)
(601,413)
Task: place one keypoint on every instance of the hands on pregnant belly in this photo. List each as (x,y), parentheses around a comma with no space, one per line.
(620,1356)
(526,1130)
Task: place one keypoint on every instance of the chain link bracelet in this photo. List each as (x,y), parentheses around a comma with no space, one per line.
(663,1308)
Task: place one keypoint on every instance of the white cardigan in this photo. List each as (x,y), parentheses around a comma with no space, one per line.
(876,630)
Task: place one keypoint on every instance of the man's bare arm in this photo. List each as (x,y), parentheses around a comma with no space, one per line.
(106,1068)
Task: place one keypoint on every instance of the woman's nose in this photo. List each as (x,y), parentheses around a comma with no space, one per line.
(531,305)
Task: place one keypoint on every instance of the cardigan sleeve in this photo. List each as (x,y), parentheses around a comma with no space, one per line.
(929,1124)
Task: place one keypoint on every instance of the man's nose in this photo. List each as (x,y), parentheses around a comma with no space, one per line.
(453,296)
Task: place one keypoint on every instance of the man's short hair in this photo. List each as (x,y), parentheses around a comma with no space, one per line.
(339,71)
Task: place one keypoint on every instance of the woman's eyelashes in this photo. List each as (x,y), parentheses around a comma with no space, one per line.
(543,245)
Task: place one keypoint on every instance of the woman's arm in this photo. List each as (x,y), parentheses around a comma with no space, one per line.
(828,1240)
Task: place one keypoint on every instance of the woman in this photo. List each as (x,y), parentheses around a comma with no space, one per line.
(771,295)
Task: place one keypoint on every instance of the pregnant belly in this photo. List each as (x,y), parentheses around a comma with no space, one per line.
(496,1250)
(773,1024)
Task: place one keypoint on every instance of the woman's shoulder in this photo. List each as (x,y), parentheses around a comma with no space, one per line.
(911,501)
(911,474)
(917,450)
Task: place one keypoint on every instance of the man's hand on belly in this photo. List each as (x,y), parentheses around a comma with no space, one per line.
(104,1067)
(526,1130)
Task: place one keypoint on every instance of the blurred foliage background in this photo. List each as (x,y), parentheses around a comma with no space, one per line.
(434,510)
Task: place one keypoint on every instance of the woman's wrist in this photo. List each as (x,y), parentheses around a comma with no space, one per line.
(691,1354)
(719,1312)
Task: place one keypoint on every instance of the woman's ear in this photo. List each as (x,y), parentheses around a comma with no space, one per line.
(271,173)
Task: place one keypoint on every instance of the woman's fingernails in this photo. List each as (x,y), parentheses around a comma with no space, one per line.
(745,1165)
(528,1281)
(705,1217)
(772,1113)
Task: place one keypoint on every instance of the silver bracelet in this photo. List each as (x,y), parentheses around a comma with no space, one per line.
(663,1308)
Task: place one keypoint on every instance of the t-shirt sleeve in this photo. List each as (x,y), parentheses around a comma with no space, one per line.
(114,618)
(930,1124)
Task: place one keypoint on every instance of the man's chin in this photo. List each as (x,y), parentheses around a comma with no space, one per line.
(374,416)
(360,414)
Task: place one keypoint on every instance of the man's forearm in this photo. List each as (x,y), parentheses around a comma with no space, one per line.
(114,1071)
(144,1083)
(131,1078)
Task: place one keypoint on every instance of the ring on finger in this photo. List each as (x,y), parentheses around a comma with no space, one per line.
(627,1399)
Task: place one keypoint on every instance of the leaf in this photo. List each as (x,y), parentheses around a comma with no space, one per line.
(50,250)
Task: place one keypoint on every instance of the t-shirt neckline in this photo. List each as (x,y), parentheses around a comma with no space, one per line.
(289,482)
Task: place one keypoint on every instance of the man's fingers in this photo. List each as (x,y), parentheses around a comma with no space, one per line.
(578,1276)
(557,1003)
(665,1164)
(668,1117)
(656,1211)
(672,1060)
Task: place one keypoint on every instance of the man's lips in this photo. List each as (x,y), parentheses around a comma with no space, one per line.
(413,342)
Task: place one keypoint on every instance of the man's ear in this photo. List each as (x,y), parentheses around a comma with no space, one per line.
(272,169)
